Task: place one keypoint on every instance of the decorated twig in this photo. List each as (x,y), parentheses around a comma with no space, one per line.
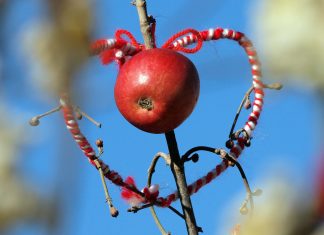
(111,44)
(113,211)
(122,48)
(177,168)
(176,164)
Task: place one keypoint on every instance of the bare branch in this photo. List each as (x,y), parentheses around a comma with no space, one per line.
(186,157)
(113,210)
(177,168)
(144,21)
(151,171)
(245,98)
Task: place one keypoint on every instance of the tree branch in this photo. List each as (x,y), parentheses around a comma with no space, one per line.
(144,21)
(151,171)
(177,168)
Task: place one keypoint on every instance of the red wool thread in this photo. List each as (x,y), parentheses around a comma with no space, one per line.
(108,50)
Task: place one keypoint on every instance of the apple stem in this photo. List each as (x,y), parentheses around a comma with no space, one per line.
(178,171)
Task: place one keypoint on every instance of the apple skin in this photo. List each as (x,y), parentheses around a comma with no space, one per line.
(157,89)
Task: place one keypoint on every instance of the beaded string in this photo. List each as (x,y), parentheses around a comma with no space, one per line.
(119,49)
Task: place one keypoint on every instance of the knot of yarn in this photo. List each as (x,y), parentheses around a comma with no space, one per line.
(132,40)
(151,193)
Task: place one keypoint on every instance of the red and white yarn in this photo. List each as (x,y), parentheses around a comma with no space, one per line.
(219,33)
(81,140)
(118,49)
(150,193)
(73,127)
(108,44)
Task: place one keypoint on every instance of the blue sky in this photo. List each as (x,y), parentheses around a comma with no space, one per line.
(52,164)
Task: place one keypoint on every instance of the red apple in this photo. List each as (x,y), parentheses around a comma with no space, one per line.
(157,89)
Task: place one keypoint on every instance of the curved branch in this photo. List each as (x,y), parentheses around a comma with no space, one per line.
(245,180)
(186,158)
(246,96)
(151,171)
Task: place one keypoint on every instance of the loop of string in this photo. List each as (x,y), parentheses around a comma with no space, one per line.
(117,49)
(119,33)
(170,43)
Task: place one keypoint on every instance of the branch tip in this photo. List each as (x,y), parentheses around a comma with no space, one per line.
(274,86)
(35,120)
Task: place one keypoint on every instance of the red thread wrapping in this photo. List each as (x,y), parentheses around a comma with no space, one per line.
(179,42)
(133,41)
(170,43)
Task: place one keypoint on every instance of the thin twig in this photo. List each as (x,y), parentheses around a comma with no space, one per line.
(151,171)
(176,164)
(274,86)
(182,216)
(113,210)
(35,120)
(186,158)
(246,96)
(78,110)
(245,180)
(177,168)
(136,209)
(144,23)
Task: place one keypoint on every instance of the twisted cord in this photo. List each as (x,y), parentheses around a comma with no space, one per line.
(177,42)
(179,45)
(85,146)
(237,149)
